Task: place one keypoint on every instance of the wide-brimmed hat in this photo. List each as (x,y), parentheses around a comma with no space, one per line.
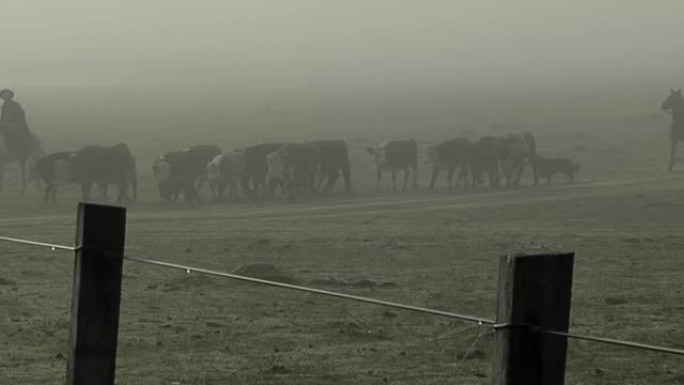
(8,92)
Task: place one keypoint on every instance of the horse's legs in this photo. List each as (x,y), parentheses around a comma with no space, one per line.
(673,149)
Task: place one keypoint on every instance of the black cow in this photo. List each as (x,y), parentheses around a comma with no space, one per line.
(183,171)
(104,165)
(484,160)
(547,167)
(54,170)
(333,157)
(396,155)
(256,167)
(297,164)
(449,155)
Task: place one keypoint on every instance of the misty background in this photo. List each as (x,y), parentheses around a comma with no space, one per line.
(240,71)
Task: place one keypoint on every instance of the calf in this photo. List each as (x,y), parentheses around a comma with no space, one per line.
(547,167)
(449,155)
(396,155)
(54,170)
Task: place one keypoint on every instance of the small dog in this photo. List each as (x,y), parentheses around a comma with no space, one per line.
(547,167)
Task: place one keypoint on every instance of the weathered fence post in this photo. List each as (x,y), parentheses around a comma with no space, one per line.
(534,292)
(100,237)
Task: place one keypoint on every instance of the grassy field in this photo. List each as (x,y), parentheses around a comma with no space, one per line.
(623,217)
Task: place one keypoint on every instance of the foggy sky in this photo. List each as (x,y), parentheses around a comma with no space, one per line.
(340,44)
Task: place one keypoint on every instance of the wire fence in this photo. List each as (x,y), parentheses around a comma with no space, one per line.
(461,317)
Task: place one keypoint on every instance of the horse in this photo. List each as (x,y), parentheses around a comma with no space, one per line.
(675,103)
(9,139)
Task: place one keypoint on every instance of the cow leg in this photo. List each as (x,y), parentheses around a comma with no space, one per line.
(333,176)
(435,173)
(394,179)
(123,191)
(533,167)
(22,168)
(346,176)
(54,194)
(518,173)
(450,178)
(2,167)
(103,191)
(406,176)
(221,189)
(189,192)
(673,150)
(463,177)
(414,170)
(377,180)
(46,196)
(85,190)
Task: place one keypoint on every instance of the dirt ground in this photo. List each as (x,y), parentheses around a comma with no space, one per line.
(623,218)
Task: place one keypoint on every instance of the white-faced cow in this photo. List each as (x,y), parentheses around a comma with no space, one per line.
(396,155)
(449,155)
(276,173)
(224,171)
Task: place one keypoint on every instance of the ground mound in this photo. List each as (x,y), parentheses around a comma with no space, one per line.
(264,271)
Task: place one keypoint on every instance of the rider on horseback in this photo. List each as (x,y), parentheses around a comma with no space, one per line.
(13,125)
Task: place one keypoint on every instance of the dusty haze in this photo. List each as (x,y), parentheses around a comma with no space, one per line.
(295,69)
(311,47)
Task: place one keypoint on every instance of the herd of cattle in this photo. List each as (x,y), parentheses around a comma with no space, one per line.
(297,170)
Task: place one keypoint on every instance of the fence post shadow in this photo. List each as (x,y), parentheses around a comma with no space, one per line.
(98,265)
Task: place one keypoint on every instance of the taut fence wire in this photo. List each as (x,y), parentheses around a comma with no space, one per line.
(462,317)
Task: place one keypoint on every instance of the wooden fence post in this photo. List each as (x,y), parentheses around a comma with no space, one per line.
(100,237)
(534,292)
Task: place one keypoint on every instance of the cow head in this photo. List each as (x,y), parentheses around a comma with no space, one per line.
(162,174)
(379,155)
(430,154)
(214,170)
(276,165)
